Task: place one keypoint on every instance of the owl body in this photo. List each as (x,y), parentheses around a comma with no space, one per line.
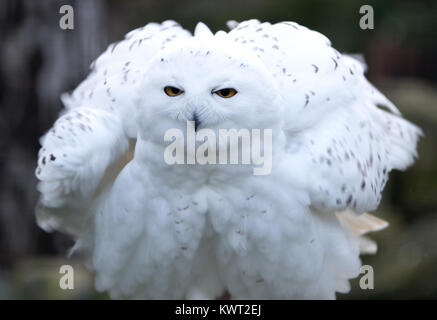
(208,245)
(154,229)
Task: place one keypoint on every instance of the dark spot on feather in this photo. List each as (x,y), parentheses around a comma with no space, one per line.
(130,47)
(114,46)
(336,63)
(307,100)
(291,25)
(239,28)
(349,200)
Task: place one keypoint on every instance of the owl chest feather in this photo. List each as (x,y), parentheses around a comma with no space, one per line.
(263,232)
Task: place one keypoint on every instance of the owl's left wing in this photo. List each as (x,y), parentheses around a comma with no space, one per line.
(340,144)
(347,157)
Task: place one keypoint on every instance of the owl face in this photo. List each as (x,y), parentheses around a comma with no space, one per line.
(213,83)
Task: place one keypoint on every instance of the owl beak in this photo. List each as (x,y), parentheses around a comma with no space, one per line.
(196,121)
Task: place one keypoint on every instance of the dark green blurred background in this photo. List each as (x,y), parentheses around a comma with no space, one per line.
(39,61)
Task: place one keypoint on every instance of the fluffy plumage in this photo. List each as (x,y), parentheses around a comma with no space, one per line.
(154,230)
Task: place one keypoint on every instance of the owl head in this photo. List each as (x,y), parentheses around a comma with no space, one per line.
(211,81)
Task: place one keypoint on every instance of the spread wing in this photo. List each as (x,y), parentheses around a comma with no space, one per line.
(83,147)
(89,145)
(341,145)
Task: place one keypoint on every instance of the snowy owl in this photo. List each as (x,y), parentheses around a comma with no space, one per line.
(154,230)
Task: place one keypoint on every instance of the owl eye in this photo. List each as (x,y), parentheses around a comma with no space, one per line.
(172,91)
(226,93)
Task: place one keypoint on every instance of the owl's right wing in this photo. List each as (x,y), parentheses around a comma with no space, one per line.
(88,146)
(83,152)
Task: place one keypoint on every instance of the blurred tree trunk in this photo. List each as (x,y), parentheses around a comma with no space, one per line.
(38,61)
